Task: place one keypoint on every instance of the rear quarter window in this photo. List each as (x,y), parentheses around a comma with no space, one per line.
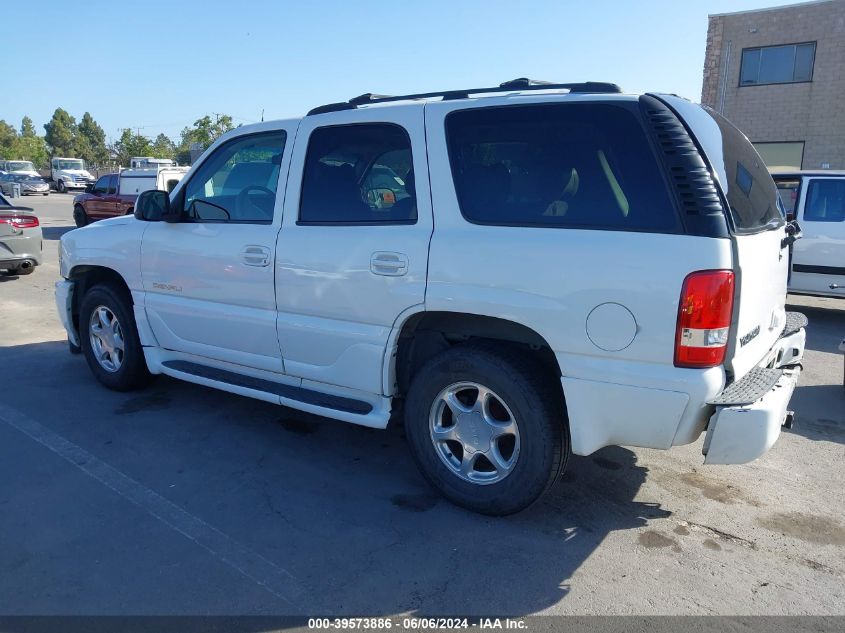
(750,190)
(557,165)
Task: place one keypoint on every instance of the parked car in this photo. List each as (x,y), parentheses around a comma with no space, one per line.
(30,185)
(69,173)
(115,194)
(23,167)
(816,199)
(560,271)
(20,239)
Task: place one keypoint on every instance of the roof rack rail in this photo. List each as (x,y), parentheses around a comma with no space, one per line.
(520,84)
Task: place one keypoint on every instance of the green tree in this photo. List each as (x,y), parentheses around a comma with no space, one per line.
(129,145)
(203,132)
(163,147)
(8,137)
(32,148)
(91,141)
(61,133)
(27,128)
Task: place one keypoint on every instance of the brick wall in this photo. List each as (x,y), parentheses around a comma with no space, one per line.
(812,112)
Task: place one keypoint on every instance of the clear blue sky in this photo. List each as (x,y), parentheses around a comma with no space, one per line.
(161,64)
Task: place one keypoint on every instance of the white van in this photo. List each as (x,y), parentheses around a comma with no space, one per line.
(816,199)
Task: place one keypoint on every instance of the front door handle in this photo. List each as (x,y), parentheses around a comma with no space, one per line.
(389,264)
(255,256)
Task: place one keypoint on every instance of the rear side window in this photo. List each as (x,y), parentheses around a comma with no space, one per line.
(751,192)
(567,165)
(358,174)
(825,201)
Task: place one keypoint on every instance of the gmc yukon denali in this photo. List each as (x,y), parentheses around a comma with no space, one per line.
(522,272)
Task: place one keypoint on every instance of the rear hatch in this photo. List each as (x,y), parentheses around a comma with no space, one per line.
(761,260)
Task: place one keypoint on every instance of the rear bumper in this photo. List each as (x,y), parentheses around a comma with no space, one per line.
(743,428)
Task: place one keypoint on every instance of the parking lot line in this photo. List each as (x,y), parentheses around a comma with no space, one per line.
(273,578)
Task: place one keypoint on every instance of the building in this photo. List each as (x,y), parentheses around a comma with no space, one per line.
(779,75)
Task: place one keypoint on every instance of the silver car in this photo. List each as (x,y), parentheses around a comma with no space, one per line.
(30,185)
(20,239)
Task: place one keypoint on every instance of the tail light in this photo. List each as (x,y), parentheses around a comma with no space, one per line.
(19,221)
(704,318)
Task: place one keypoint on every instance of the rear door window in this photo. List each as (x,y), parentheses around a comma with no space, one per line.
(825,201)
(561,165)
(358,174)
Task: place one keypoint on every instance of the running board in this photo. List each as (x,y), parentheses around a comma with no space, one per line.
(300,394)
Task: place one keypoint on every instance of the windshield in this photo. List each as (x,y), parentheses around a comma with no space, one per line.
(21,165)
(26,178)
(68,164)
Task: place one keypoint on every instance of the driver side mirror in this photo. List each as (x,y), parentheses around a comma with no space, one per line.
(154,206)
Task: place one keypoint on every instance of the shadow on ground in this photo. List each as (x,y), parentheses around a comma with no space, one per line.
(826,327)
(55,232)
(341,508)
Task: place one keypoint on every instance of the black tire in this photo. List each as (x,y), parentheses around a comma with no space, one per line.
(132,372)
(533,397)
(25,271)
(60,186)
(80,217)
(45,194)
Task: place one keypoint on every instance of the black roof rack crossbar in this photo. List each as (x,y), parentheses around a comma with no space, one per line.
(520,84)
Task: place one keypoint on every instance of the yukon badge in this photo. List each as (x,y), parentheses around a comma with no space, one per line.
(743,341)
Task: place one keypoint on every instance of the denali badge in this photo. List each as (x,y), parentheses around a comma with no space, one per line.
(172,288)
(748,337)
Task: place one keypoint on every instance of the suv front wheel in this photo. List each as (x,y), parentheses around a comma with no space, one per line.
(110,340)
(487,428)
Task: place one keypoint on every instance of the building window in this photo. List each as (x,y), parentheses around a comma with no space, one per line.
(789,154)
(777,64)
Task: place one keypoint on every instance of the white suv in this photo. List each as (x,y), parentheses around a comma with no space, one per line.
(529,271)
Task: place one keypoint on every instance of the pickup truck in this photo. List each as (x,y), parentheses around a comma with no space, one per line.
(115,194)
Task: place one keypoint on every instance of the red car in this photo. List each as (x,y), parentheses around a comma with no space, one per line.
(115,194)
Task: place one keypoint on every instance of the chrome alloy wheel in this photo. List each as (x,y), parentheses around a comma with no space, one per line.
(106,338)
(474,433)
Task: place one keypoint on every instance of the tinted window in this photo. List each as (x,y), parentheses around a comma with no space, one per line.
(751,192)
(358,173)
(574,165)
(238,182)
(113,183)
(825,201)
(102,185)
(777,64)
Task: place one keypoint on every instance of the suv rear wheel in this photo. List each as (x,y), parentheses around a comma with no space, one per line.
(110,340)
(486,428)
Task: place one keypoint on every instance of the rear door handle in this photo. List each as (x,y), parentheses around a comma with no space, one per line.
(254,255)
(389,264)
